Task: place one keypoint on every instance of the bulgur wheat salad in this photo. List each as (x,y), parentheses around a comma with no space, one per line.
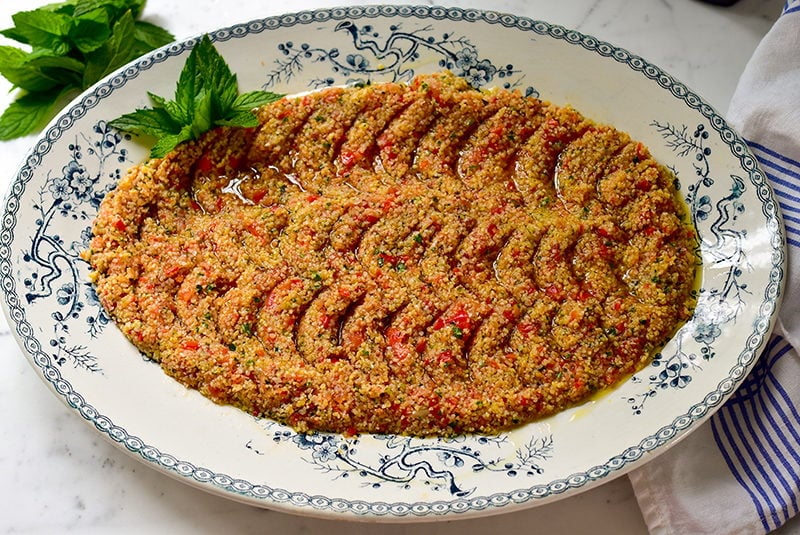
(421,259)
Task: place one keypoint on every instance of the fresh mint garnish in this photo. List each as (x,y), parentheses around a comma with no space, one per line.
(207,95)
(69,47)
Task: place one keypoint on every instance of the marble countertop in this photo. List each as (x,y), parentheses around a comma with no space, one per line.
(58,475)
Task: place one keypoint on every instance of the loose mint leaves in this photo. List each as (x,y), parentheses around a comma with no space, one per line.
(206,95)
(71,45)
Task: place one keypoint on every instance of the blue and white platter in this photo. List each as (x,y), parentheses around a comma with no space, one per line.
(70,341)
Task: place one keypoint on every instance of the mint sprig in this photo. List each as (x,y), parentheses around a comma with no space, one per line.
(206,95)
(68,47)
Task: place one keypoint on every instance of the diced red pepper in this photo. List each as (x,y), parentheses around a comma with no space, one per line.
(349,158)
(461,319)
(395,336)
(388,258)
(526,327)
(641,151)
(445,357)
(397,341)
(171,271)
(388,204)
(190,345)
(555,291)
(325,320)
(254,230)
(258,195)
(204,164)
(603,232)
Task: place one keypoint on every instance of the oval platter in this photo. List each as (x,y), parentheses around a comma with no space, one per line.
(70,341)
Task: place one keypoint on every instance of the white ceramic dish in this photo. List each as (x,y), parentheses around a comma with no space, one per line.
(88,364)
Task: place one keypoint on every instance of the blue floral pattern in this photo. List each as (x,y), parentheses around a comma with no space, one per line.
(55,269)
(723,243)
(375,57)
(439,464)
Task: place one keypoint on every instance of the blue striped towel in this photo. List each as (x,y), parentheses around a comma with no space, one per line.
(740,472)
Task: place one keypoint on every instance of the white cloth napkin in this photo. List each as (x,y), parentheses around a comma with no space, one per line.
(740,472)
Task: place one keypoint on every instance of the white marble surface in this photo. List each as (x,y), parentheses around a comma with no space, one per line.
(58,475)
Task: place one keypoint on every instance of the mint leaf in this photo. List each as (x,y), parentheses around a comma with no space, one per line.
(189,84)
(45,61)
(244,119)
(115,52)
(73,44)
(16,35)
(120,44)
(156,123)
(114,8)
(217,75)
(158,102)
(176,112)
(15,69)
(254,99)
(90,30)
(43,29)
(149,37)
(66,8)
(203,117)
(28,113)
(169,142)
(64,70)
(38,71)
(206,95)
